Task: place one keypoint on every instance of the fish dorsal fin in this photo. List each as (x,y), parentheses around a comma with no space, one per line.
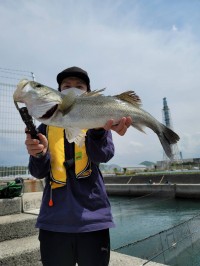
(92,93)
(131,97)
(67,101)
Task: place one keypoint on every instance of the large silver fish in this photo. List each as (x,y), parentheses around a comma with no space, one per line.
(88,110)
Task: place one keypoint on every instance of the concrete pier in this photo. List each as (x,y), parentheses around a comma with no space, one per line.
(157,178)
(174,185)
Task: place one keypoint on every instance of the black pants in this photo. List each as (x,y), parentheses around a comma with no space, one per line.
(67,249)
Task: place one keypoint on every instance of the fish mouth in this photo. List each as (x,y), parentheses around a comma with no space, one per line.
(50,112)
(18,92)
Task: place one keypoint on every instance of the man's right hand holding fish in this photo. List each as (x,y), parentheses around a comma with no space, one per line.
(121,127)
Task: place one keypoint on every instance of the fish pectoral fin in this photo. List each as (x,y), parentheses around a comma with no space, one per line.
(75,135)
(67,102)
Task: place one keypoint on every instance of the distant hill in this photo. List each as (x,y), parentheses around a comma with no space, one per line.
(112,168)
(148,163)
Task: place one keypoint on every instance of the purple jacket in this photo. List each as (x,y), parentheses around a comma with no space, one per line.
(82,205)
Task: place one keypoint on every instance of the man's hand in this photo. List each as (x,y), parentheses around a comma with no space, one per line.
(121,127)
(35,146)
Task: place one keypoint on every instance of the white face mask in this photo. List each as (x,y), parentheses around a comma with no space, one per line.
(76,91)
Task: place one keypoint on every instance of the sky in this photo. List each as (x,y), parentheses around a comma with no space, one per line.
(151,47)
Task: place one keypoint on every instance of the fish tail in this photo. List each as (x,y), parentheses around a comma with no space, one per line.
(167,138)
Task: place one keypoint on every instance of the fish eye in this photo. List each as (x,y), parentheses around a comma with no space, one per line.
(38,86)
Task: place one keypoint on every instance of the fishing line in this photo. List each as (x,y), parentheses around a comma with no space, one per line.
(164,231)
(177,231)
(151,193)
(156,200)
(172,246)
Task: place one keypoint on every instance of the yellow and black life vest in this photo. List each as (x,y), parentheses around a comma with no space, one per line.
(57,151)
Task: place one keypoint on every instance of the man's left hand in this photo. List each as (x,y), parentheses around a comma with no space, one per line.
(121,127)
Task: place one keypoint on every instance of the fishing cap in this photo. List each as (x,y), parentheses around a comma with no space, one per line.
(74,72)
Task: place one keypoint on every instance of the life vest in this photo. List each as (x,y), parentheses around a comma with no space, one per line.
(57,151)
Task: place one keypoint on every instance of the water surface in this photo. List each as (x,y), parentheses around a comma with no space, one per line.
(139,218)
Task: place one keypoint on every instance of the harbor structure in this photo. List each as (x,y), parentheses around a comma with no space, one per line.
(168,122)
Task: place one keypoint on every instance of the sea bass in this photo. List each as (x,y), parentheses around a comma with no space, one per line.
(75,112)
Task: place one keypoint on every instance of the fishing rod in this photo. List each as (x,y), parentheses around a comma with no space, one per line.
(28,120)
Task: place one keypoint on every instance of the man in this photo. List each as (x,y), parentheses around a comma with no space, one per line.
(75,214)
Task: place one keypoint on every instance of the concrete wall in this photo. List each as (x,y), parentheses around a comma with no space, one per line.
(157,190)
(174,185)
(179,178)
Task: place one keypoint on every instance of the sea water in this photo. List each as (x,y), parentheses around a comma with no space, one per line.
(139,218)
